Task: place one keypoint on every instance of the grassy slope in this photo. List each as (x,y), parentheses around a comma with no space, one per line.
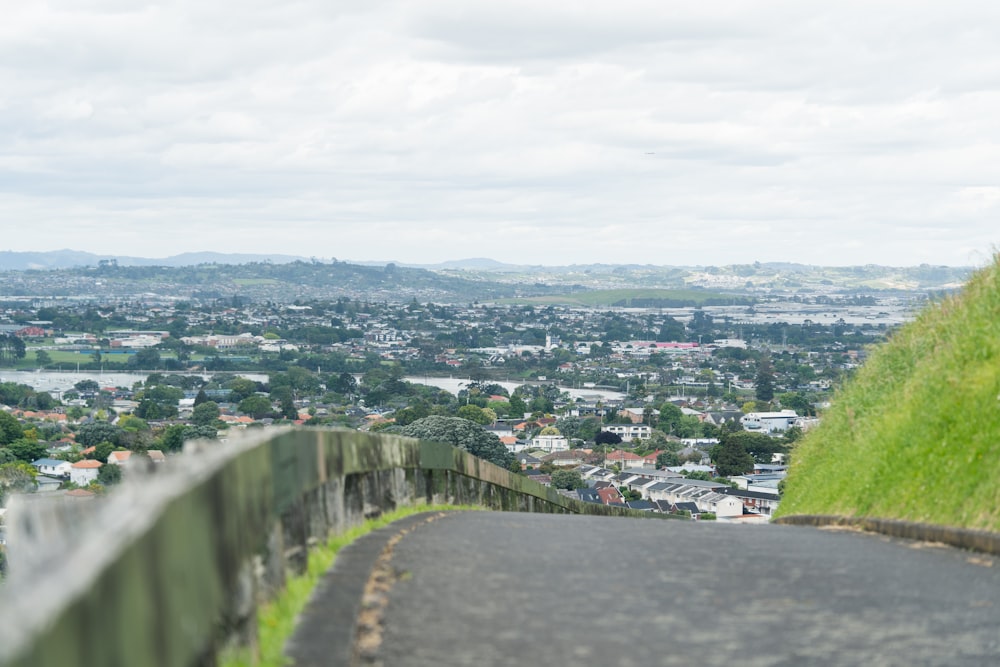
(916,434)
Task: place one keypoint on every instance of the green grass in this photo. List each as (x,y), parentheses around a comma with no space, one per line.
(916,434)
(610,297)
(276,619)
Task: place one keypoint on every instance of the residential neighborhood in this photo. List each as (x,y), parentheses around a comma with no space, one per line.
(687,409)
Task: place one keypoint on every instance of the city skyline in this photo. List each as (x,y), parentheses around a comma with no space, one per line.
(644,133)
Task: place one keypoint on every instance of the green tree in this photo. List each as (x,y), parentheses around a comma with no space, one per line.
(205,414)
(607,438)
(799,402)
(517,407)
(172,438)
(102,451)
(27,450)
(764,380)
(474,414)
(568,479)
(43,358)
(132,423)
(109,475)
(256,406)
(759,445)
(241,388)
(42,401)
(84,386)
(200,398)
(95,433)
(731,458)
(18,477)
(670,419)
(667,460)
(463,434)
(345,383)
(146,358)
(11,349)
(10,428)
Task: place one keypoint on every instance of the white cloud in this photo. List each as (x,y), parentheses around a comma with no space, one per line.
(661,132)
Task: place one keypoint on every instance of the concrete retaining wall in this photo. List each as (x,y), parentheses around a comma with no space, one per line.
(172,565)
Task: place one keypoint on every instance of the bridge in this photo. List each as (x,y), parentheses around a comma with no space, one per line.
(170,569)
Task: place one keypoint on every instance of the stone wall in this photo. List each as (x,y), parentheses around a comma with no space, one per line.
(171,565)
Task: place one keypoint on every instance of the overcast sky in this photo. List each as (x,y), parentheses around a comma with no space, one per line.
(530,132)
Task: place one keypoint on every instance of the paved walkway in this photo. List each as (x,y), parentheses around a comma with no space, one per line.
(485,588)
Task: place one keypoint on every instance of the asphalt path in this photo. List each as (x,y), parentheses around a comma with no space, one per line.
(494,588)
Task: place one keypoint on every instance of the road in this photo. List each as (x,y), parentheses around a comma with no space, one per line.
(490,588)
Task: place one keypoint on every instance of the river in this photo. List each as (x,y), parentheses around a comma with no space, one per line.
(56,382)
(454,385)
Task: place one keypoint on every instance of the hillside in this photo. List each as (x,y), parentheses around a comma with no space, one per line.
(916,434)
(262,281)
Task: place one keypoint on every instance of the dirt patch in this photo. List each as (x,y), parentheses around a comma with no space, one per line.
(370,623)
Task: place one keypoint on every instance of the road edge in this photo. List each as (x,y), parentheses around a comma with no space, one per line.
(982,541)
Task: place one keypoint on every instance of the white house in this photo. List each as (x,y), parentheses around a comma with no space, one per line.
(769,422)
(629,431)
(84,472)
(550,443)
(53,467)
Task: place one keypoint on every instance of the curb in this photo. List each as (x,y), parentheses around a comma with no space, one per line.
(964,538)
(324,634)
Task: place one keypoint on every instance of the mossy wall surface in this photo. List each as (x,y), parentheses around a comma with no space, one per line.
(171,566)
(916,434)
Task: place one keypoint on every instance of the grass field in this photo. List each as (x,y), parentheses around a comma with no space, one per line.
(625,297)
(916,434)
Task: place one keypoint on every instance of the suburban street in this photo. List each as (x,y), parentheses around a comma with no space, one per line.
(487,588)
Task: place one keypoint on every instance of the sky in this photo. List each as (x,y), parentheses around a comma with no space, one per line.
(529,132)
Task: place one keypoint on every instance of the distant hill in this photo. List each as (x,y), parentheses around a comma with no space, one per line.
(69,259)
(262,281)
(916,434)
(738,278)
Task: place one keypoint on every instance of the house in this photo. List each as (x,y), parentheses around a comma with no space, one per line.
(636,415)
(569,457)
(156,456)
(119,458)
(623,459)
(642,505)
(53,467)
(610,496)
(500,429)
(593,473)
(769,422)
(629,431)
(550,443)
(84,472)
(755,501)
(528,461)
(513,445)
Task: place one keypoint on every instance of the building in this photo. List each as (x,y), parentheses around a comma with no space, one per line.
(84,472)
(53,467)
(769,422)
(550,443)
(629,431)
